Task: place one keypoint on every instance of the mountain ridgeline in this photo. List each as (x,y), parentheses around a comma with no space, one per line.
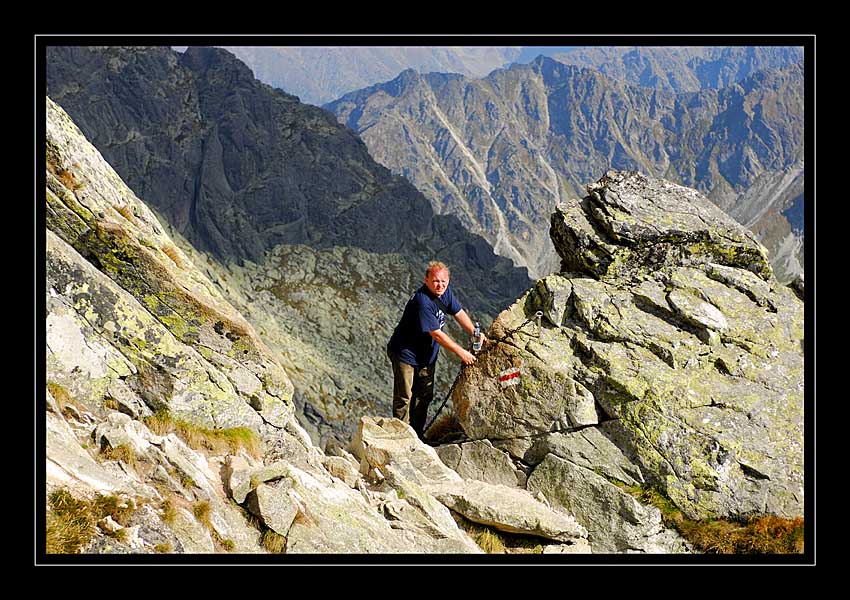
(500,152)
(673,68)
(315,238)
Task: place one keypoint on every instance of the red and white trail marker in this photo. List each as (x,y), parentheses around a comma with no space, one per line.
(509,376)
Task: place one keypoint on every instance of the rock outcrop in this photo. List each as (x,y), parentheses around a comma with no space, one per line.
(163,400)
(664,353)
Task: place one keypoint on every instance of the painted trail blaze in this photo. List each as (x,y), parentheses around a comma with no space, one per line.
(509,376)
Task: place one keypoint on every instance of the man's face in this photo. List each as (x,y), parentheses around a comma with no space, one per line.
(437,281)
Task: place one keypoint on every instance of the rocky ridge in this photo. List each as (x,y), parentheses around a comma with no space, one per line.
(135,333)
(319,74)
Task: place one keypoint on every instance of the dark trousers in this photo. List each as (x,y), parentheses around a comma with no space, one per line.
(413,391)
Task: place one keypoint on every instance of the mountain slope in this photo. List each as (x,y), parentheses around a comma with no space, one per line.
(245,174)
(169,426)
(499,152)
(676,68)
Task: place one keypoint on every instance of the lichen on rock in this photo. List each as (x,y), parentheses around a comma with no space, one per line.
(667,313)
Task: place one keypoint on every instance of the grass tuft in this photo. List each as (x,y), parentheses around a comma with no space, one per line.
(172,253)
(759,534)
(68,179)
(64,399)
(169,512)
(72,522)
(202,510)
(126,212)
(274,542)
(164,548)
(490,542)
(203,439)
(121,453)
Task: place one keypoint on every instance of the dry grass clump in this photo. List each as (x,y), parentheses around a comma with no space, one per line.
(126,212)
(209,440)
(765,534)
(68,179)
(490,542)
(174,254)
(274,542)
(72,522)
(202,512)
(65,400)
(164,548)
(759,535)
(169,511)
(493,541)
(121,453)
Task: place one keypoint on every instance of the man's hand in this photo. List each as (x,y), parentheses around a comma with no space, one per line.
(449,344)
(466,356)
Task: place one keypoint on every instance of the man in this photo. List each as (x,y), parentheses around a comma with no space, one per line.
(416,341)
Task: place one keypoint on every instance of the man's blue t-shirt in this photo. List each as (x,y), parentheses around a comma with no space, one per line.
(411,340)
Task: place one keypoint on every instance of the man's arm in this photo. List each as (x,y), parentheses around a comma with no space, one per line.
(449,344)
(464,321)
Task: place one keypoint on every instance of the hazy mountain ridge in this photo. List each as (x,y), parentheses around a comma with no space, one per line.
(524,136)
(679,68)
(321,74)
(318,74)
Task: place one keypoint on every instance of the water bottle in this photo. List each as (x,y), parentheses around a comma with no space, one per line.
(476,338)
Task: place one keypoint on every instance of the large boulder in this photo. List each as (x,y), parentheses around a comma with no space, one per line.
(666,322)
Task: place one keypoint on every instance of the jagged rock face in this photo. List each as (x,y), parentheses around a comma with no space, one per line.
(501,152)
(162,337)
(680,69)
(670,335)
(239,168)
(632,224)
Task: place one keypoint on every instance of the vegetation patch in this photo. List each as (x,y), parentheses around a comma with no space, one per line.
(274,542)
(126,212)
(174,254)
(169,511)
(202,512)
(202,439)
(121,453)
(65,400)
(759,534)
(72,522)
(493,541)
(67,179)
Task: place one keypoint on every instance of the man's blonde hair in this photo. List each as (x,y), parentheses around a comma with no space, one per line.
(436,265)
